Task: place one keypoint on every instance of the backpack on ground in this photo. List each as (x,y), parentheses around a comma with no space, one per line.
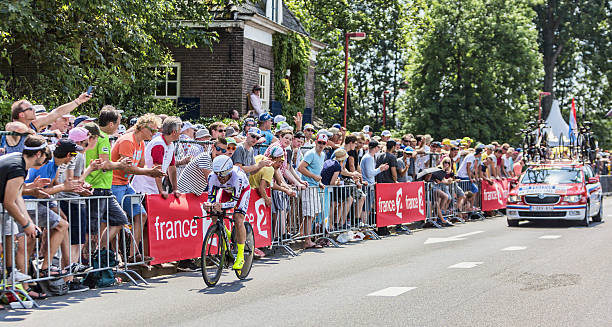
(103,278)
(54,287)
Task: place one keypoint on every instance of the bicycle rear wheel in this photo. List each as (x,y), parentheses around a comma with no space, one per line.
(249,252)
(213,255)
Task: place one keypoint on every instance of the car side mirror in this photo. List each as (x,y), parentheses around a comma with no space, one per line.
(593,180)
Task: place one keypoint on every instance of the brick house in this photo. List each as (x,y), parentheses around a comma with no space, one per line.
(214,80)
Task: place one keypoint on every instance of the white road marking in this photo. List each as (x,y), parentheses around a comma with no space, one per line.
(392,291)
(514,248)
(465,265)
(433,240)
(549,237)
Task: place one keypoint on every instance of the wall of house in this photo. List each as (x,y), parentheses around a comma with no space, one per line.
(214,75)
(256,55)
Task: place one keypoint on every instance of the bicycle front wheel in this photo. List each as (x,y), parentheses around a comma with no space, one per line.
(249,252)
(213,255)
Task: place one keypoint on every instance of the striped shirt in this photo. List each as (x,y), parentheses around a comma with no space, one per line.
(192,178)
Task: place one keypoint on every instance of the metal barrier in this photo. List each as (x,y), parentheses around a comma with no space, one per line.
(133,235)
(606,184)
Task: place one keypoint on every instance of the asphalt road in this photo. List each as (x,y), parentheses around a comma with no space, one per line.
(544,274)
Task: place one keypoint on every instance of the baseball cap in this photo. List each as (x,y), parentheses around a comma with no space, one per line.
(336,125)
(121,129)
(446,142)
(408,149)
(309,126)
(81,119)
(202,132)
(480,146)
(65,146)
(186,125)
(279,118)
(276,152)
(333,131)
(385,133)
(436,144)
(230,131)
(340,154)
(490,146)
(78,134)
(325,132)
(322,137)
(230,140)
(255,130)
(265,116)
(284,126)
(366,129)
(39,109)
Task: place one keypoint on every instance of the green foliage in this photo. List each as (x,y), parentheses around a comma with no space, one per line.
(291,52)
(66,45)
(576,45)
(474,67)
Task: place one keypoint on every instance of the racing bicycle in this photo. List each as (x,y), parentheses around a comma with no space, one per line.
(219,248)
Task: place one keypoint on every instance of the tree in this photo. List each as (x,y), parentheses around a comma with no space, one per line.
(473,68)
(55,49)
(576,44)
(376,63)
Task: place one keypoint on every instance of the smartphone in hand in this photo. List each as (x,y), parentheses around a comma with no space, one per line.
(90,89)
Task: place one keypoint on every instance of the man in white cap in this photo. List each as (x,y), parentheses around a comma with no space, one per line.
(309,132)
(187,131)
(368,130)
(385,136)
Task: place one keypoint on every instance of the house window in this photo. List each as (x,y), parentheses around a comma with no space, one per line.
(264,82)
(274,10)
(168,85)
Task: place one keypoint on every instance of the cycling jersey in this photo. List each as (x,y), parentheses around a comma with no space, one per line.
(237,189)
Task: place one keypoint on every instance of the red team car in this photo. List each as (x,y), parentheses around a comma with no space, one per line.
(559,190)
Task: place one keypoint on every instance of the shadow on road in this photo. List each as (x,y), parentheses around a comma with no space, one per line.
(222,288)
(537,224)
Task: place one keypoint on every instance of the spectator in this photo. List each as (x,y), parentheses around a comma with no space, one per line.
(265,125)
(388,175)
(385,136)
(159,152)
(310,168)
(23,111)
(402,169)
(194,177)
(368,130)
(81,120)
(244,156)
(13,169)
(217,129)
(131,145)
(255,101)
(233,114)
(309,132)
(341,198)
(248,123)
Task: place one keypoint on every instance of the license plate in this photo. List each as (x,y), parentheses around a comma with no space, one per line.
(540,208)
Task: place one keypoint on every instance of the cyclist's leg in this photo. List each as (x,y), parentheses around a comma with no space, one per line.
(241,209)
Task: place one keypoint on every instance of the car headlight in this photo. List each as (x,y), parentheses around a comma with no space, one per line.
(573,198)
(514,198)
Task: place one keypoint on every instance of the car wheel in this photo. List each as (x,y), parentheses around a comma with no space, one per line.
(585,221)
(512,222)
(597,217)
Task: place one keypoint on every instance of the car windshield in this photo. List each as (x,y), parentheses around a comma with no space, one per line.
(552,176)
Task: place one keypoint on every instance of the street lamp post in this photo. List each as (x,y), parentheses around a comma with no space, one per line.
(384,107)
(357,36)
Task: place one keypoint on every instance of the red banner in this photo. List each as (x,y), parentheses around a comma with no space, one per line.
(494,194)
(399,203)
(174,235)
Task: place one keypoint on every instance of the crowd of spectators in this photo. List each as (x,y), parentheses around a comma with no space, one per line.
(286,162)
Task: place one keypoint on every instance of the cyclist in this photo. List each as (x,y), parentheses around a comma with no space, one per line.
(236,191)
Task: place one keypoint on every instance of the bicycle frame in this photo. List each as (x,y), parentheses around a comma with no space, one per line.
(218,219)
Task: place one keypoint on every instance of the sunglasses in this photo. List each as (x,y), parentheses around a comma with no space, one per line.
(153,130)
(218,148)
(231,147)
(224,173)
(309,130)
(255,136)
(322,143)
(220,131)
(26,109)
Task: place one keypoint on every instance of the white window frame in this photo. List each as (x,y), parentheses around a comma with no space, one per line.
(264,82)
(274,10)
(178,82)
